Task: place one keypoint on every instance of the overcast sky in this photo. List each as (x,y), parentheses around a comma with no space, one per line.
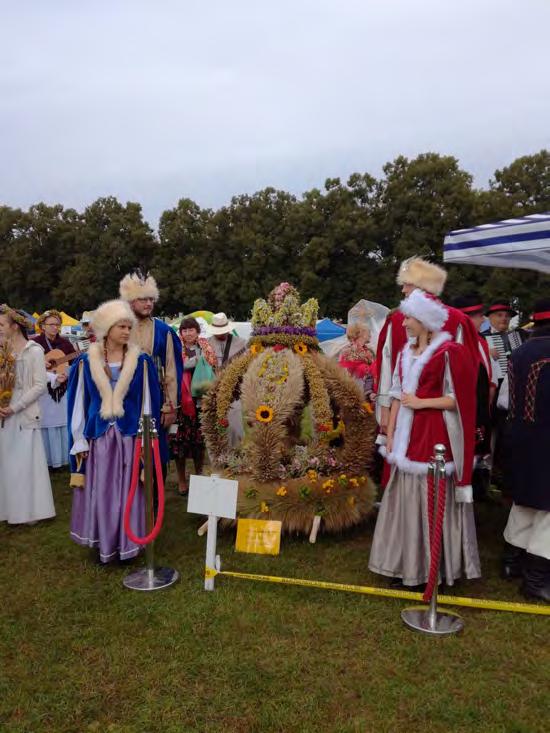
(155,100)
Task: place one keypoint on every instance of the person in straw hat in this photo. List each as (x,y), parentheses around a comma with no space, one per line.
(110,386)
(225,344)
(226,347)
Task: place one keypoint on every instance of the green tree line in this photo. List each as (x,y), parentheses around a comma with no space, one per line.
(338,244)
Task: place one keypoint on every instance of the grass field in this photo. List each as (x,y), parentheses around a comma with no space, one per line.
(80,653)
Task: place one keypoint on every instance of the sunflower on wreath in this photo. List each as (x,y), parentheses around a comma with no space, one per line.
(264,414)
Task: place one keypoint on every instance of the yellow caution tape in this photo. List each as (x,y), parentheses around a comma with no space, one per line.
(480,603)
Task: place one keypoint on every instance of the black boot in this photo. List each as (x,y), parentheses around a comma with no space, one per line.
(512,562)
(536,578)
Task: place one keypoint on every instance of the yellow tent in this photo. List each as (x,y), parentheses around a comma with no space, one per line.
(68,320)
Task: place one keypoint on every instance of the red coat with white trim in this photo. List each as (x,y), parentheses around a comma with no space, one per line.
(417,431)
(393,338)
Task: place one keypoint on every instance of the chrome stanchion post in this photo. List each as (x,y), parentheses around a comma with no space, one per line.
(427,619)
(149,577)
(148,491)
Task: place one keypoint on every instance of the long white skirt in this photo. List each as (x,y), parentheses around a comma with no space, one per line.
(401,544)
(25,488)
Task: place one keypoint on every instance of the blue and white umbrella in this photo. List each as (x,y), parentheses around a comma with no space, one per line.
(522,243)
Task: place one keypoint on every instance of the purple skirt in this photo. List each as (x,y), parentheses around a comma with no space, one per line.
(97,518)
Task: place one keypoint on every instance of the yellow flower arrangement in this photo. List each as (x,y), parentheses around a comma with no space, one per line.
(312,475)
(284,376)
(300,348)
(354,482)
(264,414)
(282,491)
(264,507)
(328,484)
(256,349)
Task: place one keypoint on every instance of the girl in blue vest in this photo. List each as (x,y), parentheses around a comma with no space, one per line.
(110,387)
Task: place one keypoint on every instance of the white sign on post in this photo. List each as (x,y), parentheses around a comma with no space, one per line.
(213,495)
(216,497)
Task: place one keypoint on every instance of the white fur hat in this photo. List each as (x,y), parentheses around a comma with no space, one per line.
(110,313)
(422,274)
(135,285)
(426,309)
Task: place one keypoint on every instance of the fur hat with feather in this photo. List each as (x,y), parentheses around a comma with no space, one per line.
(137,285)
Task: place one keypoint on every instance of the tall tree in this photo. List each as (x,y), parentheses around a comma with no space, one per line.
(340,262)
(112,240)
(183,259)
(255,245)
(38,245)
(525,184)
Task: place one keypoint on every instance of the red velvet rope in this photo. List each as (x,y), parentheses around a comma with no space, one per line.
(436,534)
(134,481)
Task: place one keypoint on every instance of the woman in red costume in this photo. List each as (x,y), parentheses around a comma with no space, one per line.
(433,401)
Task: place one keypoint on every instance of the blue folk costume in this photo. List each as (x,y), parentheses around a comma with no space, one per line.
(161,342)
(163,334)
(103,419)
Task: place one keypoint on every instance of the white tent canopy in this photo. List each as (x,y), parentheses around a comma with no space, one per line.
(522,243)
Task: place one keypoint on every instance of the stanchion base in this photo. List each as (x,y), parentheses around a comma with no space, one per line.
(418,619)
(155,579)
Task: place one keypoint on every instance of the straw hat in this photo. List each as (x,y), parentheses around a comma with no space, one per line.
(220,324)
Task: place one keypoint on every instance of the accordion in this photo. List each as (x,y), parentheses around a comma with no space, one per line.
(504,344)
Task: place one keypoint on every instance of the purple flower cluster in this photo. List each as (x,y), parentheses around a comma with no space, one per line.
(291,330)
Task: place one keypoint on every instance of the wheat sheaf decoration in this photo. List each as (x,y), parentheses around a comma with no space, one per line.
(308,440)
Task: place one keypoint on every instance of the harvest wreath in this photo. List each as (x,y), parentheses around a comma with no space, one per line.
(308,439)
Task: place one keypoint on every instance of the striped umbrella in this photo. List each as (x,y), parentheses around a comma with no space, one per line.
(522,243)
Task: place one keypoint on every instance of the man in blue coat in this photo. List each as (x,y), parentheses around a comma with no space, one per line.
(161,342)
(526,395)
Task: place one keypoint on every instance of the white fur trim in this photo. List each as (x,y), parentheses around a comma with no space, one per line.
(411,370)
(464,494)
(430,312)
(112,399)
(110,313)
(422,274)
(418,468)
(133,287)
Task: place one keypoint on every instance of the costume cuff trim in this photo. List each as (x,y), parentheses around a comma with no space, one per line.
(464,494)
(77,480)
